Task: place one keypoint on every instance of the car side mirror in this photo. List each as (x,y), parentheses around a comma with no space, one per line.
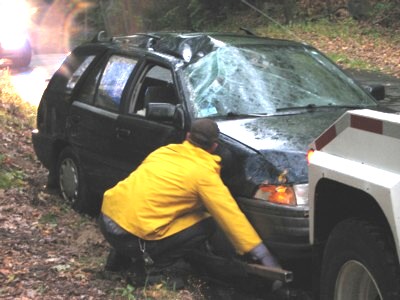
(376,90)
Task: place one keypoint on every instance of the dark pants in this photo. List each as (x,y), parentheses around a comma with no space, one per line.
(163,252)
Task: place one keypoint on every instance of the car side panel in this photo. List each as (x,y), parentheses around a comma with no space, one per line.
(91,131)
(136,137)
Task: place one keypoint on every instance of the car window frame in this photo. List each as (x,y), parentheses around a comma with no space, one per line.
(74,79)
(145,66)
(126,84)
(63,75)
(98,71)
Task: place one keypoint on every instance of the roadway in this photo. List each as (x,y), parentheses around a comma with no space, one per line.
(31,82)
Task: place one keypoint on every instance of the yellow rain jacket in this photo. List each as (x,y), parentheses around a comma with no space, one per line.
(174,188)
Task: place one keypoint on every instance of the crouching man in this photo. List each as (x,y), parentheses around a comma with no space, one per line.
(166,208)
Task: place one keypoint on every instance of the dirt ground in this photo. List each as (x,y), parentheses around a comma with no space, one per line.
(48,251)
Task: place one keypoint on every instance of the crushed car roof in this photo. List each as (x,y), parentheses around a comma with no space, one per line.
(185,46)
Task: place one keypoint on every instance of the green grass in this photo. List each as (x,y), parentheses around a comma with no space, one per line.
(126,292)
(15,114)
(9,177)
(12,107)
(49,218)
(342,59)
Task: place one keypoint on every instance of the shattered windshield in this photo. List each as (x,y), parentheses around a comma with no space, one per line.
(259,79)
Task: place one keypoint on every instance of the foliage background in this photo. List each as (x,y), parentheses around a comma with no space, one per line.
(73,21)
(346,30)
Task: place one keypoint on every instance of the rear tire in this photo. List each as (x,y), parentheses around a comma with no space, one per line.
(71,180)
(25,59)
(359,262)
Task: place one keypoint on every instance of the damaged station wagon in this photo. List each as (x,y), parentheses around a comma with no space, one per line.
(114,100)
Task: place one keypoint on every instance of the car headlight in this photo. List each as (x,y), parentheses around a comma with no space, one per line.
(13,42)
(283,194)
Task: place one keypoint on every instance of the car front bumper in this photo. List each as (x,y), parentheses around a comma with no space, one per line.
(284,229)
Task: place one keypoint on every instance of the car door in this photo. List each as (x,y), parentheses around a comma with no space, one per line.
(137,135)
(93,117)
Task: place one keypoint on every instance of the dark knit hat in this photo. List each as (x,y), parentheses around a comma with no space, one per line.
(204,133)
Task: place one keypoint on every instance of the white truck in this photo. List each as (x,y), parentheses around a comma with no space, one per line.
(354,186)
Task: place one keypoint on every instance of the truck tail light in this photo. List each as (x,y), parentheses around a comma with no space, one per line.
(310,154)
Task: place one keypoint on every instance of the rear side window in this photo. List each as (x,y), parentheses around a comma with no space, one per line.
(78,72)
(70,72)
(113,82)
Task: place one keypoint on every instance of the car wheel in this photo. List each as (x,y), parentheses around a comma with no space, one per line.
(359,262)
(71,180)
(26,56)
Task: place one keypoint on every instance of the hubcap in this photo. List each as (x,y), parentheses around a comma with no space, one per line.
(68,178)
(354,281)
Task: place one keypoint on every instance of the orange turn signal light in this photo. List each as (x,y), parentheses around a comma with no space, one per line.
(278,194)
(310,154)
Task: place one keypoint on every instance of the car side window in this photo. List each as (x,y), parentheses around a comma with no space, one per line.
(86,93)
(113,81)
(78,72)
(155,85)
(70,72)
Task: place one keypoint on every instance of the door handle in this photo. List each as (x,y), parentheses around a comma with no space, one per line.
(123,132)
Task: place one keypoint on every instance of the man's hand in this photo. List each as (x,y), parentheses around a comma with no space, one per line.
(261,254)
(270,261)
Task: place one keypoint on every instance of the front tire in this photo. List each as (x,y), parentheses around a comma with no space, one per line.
(359,262)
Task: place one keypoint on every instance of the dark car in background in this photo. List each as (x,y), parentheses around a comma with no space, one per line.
(15,50)
(115,100)
(15,46)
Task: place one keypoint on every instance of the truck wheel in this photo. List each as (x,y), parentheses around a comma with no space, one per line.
(71,180)
(359,262)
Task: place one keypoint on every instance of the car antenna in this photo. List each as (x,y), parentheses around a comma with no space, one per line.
(269,18)
(248,31)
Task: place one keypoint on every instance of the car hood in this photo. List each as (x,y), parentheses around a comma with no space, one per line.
(282,141)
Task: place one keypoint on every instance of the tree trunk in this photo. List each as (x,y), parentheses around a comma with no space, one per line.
(359,9)
(289,9)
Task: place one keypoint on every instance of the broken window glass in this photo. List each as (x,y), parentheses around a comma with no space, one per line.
(261,79)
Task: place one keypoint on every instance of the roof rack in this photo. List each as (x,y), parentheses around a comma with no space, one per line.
(139,39)
(150,35)
(100,37)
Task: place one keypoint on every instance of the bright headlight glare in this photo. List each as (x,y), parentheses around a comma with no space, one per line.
(13,42)
(283,194)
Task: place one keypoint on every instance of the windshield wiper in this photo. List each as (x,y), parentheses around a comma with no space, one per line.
(313,107)
(239,115)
